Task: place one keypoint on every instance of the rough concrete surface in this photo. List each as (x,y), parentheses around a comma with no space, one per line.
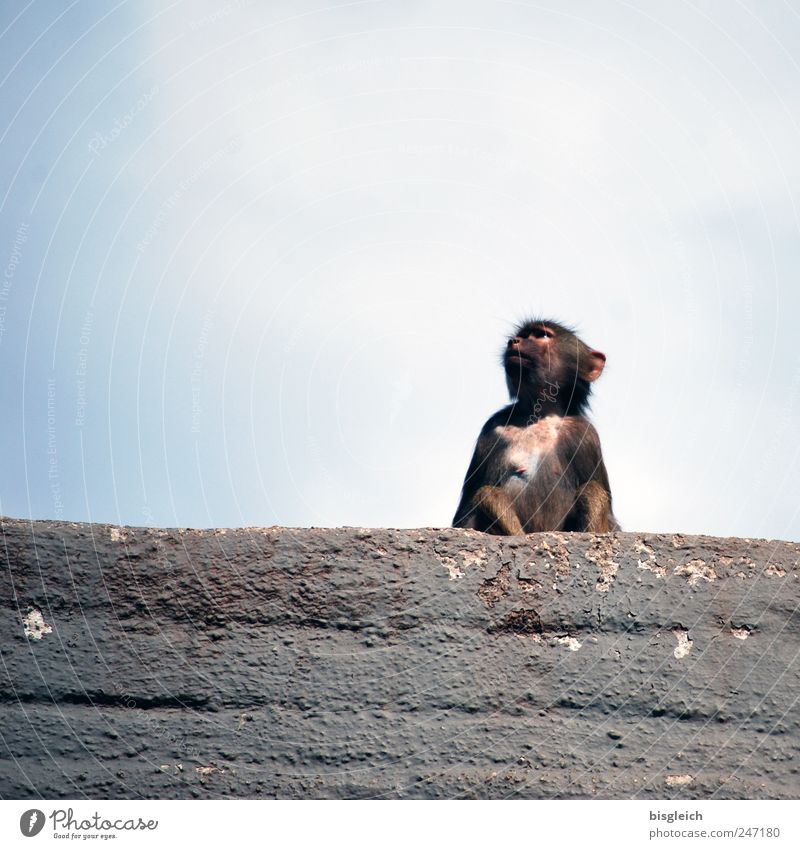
(354,663)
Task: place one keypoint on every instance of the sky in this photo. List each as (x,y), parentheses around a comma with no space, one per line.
(260,258)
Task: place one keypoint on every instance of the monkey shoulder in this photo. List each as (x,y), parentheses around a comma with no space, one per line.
(501,418)
(579,427)
(579,433)
(579,444)
(489,432)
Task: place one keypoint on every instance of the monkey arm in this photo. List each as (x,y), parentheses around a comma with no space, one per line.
(465,516)
(489,509)
(498,512)
(592,511)
(600,495)
(598,492)
(483,507)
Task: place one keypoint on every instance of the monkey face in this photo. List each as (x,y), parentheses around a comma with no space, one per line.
(546,357)
(533,357)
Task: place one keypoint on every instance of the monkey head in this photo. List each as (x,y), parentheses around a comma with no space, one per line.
(548,366)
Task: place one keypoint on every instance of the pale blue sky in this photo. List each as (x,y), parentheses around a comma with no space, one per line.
(259,258)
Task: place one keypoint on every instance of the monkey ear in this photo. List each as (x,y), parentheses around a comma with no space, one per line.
(597,361)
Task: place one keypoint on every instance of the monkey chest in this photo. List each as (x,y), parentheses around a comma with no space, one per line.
(522,453)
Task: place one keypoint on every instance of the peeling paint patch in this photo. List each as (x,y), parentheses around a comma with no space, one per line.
(696,571)
(679,780)
(473,558)
(650,563)
(166,767)
(493,589)
(740,633)
(205,771)
(659,571)
(684,643)
(570,642)
(557,553)
(452,567)
(35,626)
(527,582)
(602,553)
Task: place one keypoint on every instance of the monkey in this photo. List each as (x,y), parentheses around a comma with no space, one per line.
(537,464)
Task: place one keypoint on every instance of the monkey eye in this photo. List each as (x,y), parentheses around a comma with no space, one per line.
(541,333)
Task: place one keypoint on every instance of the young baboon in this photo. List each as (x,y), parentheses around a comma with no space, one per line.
(537,464)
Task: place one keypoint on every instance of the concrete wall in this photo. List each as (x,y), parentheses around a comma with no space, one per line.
(386,663)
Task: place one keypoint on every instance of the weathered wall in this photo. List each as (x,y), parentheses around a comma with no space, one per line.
(386,663)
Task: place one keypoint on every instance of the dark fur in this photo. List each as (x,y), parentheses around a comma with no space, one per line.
(566,486)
